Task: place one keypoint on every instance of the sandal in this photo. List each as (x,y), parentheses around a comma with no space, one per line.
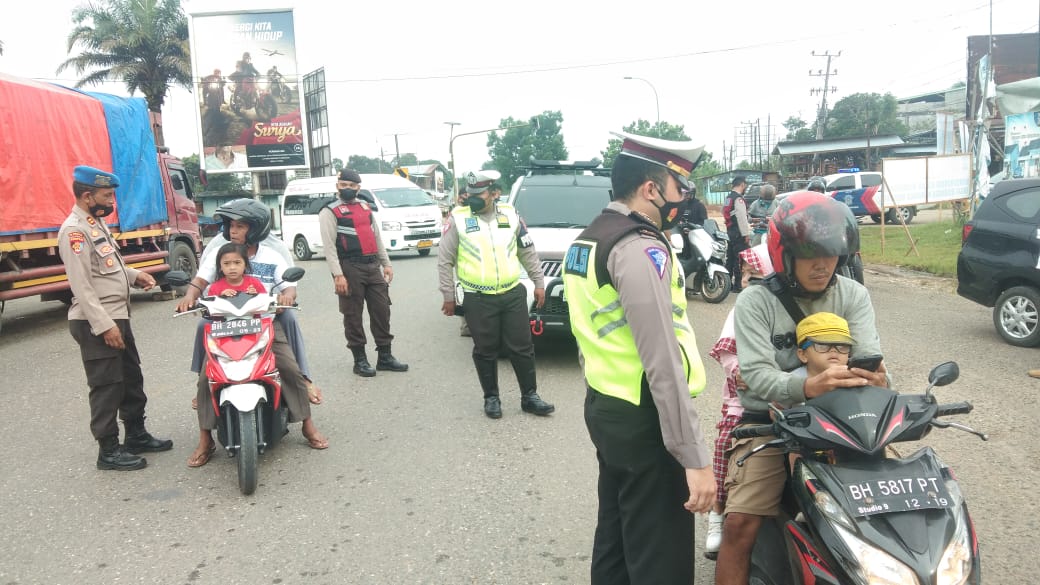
(202,459)
(318,441)
(313,393)
(194,403)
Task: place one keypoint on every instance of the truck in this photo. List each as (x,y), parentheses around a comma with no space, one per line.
(49,129)
(863,192)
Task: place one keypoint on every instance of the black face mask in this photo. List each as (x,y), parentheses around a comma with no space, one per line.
(476,203)
(101,210)
(348,194)
(671,211)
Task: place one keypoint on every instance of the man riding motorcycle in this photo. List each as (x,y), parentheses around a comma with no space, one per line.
(810,237)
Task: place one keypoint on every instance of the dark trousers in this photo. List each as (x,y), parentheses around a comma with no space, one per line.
(365,285)
(294,385)
(643,533)
(497,322)
(736,246)
(114,376)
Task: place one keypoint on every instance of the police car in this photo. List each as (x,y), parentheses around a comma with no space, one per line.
(557,200)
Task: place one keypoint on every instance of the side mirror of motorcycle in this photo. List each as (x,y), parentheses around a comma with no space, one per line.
(941,375)
(293,274)
(677,242)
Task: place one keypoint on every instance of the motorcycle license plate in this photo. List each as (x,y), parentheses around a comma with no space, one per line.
(235,328)
(905,489)
(425,244)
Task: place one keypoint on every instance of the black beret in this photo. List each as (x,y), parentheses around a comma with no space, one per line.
(349,175)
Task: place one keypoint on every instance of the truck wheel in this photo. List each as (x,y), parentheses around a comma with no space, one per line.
(182,257)
(876,218)
(1017,316)
(300,249)
(907,213)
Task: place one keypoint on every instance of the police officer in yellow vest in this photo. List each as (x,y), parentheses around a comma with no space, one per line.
(487,243)
(628,313)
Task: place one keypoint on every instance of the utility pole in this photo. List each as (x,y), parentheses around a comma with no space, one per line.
(821,118)
(397,161)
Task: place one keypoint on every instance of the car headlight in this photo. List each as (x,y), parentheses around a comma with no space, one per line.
(391,226)
(875,567)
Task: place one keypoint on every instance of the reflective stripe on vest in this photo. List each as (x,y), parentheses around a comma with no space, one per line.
(599,323)
(488,261)
(354,233)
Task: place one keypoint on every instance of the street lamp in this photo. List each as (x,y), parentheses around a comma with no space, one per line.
(451,148)
(657,101)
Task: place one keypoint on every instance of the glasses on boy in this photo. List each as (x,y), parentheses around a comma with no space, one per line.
(842,348)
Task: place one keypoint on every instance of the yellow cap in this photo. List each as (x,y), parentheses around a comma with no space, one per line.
(825,328)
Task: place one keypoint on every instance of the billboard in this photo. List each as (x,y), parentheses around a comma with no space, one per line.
(248,98)
(1022,146)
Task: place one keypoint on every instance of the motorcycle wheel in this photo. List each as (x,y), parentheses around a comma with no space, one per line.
(716,289)
(267,108)
(248,452)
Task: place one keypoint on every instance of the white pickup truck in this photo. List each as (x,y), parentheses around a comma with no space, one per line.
(864,194)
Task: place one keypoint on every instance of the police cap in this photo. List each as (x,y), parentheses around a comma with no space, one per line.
(678,157)
(477,183)
(94,177)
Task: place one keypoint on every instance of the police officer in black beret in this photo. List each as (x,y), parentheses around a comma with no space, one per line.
(99,320)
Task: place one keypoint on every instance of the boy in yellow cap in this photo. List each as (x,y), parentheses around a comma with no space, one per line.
(824,342)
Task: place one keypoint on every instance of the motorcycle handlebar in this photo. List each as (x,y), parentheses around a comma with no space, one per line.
(753,431)
(954,408)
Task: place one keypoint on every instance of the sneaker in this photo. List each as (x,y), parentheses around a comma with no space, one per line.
(714,539)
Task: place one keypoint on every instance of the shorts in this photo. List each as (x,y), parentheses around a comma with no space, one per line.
(756,487)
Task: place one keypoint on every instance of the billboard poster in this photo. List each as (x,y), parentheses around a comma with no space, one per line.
(1022,146)
(248,99)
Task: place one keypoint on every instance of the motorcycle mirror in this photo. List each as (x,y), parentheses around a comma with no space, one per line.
(293,274)
(677,242)
(944,373)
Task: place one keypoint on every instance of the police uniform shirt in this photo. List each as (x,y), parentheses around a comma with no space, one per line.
(644,288)
(99,278)
(448,253)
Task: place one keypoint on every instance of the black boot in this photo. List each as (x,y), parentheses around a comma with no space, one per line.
(112,456)
(532,403)
(387,361)
(361,365)
(492,407)
(138,440)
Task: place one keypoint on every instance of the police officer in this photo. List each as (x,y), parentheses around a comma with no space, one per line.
(361,272)
(99,320)
(734,213)
(486,243)
(627,303)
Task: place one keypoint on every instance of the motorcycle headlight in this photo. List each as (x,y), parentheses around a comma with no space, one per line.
(261,344)
(391,226)
(215,349)
(955,565)
(875,567)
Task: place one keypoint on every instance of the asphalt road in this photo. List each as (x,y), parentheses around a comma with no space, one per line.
(418,486)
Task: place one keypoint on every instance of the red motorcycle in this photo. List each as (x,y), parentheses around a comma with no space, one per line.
(247,96)
(245,388)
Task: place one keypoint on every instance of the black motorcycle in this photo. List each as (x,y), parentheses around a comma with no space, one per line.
(852,515)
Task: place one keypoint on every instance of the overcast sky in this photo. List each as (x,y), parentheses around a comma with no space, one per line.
(407,67)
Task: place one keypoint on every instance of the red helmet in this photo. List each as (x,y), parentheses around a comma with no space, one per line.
(811,225)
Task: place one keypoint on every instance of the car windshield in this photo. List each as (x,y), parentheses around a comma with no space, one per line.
(560,206)
(403,197)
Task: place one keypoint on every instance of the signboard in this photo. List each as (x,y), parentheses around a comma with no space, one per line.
(1022,146)
(248,99)
(931,179)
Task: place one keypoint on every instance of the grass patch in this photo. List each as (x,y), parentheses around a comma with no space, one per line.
(939,243)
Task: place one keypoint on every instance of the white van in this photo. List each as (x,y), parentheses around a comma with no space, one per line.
(408,218)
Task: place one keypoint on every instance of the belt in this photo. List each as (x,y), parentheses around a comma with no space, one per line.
(362,259)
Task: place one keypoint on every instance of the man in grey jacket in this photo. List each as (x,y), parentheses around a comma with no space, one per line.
(810,237)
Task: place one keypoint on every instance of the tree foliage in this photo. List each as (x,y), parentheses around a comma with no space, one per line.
(143,43)
(337,163)
(862,114)
(364,164)
(799,130)
(641,127)
(707,166)
(514,148)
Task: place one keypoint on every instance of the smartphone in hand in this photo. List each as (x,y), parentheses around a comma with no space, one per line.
(870,363)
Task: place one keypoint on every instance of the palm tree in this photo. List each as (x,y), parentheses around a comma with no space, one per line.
(143,43)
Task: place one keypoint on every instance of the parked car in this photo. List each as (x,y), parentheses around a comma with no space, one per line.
(998,263)
(863,192)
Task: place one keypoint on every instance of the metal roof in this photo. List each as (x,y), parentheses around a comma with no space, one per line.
(836,144)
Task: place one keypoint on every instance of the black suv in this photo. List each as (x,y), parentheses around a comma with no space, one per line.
(997,266)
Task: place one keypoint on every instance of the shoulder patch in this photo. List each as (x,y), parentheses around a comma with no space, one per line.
(659,257)
(76,240)
(577,260)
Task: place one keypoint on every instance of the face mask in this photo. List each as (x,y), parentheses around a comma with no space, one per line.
(476,203)
(348,194)
(671,211)
(101,210)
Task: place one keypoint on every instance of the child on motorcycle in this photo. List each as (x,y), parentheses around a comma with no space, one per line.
(232,266)
(824,342)
(754,265)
